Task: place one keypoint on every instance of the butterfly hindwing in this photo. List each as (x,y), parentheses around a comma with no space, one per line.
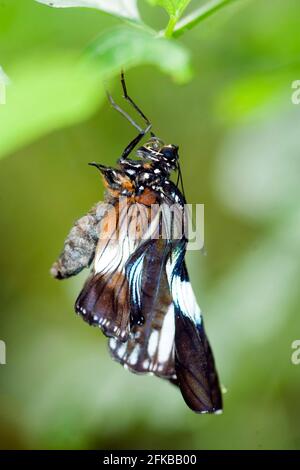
(194,362)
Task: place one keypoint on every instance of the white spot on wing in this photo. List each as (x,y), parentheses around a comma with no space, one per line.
(152,345)
(184,298)
(134,356)
(146,364)
(167,334)
(121,350)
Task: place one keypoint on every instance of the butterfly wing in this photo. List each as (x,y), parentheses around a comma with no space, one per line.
(105,299)
(150,346)
(139,294)
(167,336)
(194,362)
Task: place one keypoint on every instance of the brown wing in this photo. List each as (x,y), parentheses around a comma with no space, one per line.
(104,300)
(195,368)
(150,346)
(194,363)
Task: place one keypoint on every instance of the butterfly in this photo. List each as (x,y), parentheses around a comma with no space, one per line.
(138,291)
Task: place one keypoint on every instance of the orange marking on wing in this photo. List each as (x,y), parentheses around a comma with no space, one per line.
(109,223)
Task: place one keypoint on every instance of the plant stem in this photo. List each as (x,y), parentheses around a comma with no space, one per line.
(170,27)
(198,15)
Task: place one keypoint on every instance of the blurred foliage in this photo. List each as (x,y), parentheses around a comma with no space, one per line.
(238,134)
(174,8)
(111,48)
(47,92)
(122,8)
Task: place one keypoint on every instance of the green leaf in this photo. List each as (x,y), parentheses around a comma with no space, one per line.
(123,8)
(127,47)
(46,93)
(174,7)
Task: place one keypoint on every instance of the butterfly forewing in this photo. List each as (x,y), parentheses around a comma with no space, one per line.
(105,299)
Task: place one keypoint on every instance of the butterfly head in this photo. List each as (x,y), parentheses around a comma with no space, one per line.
(115,180)
(159,153)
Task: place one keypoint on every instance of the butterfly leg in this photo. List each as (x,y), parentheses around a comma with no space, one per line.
(130,100)
(140,135)
(133,144)
(121,111)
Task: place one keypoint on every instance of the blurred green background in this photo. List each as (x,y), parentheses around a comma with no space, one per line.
(238,133)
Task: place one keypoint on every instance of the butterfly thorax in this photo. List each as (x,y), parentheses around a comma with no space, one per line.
(145,185)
